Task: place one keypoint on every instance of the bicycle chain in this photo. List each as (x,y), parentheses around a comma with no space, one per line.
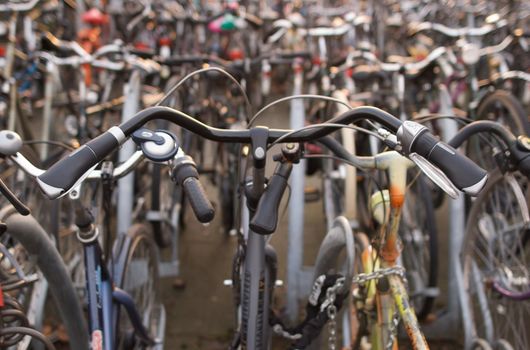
(331,310)
(393,331)
(363,278)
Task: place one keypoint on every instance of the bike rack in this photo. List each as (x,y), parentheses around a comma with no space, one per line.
(126,184)
(167,268)
(298,276)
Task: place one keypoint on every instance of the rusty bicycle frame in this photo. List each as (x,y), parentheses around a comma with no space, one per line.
(393,299)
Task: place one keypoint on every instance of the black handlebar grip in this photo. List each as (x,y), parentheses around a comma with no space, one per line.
(63,175)
(294,55)
(202,208)
(462,171)
(185,173)
(265,219)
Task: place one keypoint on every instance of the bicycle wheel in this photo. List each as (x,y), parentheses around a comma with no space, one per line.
(140,280)
(420,251)
(226,196)
(496,259)
(337,240)
(504,108)
(226,182)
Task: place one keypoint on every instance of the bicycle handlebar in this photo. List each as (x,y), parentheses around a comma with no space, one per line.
(18,7)
(519,148)
(69,171)
(415,28)
(118,172)
(266,217)
(63,175)
(410,68)
(81,56)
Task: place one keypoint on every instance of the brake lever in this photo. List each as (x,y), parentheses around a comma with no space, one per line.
(436,175)
(10,196)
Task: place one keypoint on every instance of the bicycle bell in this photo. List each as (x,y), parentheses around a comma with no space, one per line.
(158,145)
(10,142)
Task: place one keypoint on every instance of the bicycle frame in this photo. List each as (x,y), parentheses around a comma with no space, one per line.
(395,299)
(255,330)
(104,299)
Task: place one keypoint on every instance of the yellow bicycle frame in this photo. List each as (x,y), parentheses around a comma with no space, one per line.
(396,297)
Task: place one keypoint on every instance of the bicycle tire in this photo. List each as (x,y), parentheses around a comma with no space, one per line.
(35,240)
(518,123)
(497,247)
(242,300)
(513,116)
(502,344)
(414,234)
(227,194)
(481,344)
(141,246)
(338,239)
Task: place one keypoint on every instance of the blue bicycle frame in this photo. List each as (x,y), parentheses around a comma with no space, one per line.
(105,299)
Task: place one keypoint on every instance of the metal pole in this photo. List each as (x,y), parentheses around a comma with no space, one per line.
(296,208)
(448,325)
(457,307)
(126,184)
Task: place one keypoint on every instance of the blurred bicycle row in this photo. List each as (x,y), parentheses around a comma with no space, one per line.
(112,113)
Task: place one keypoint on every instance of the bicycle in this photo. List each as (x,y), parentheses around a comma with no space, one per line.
(129,281)
(495,253)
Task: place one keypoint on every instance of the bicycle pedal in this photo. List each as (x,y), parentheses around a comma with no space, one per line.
(311,194)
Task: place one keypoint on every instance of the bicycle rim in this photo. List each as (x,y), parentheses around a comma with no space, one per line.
(497,250)
(140,280)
